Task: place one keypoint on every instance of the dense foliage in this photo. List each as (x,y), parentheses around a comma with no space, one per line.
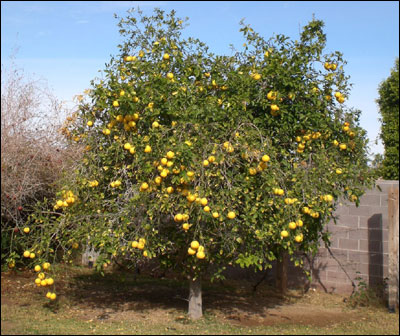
(389,108)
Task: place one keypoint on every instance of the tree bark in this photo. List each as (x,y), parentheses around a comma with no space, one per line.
(195,300)
(281,273)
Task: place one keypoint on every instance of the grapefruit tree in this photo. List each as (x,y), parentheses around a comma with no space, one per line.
(200,160)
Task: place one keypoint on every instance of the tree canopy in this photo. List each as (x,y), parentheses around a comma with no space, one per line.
(200,160)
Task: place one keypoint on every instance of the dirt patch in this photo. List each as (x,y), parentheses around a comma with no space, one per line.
(15,287)
(6,325)
(298,315)
(124,297)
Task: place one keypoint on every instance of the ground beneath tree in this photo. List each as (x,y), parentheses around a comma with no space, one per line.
(117,297)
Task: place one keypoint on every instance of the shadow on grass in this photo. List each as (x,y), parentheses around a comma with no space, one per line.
(126,291)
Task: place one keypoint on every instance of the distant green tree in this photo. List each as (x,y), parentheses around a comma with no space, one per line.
(389,108)
(376,164)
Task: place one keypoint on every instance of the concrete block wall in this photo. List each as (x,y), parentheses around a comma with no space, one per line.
(359,247)
(359,243)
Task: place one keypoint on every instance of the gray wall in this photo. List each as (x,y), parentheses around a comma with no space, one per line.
(359,245)
(359,242)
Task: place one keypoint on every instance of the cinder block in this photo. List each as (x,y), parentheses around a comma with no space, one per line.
(363,222)
(348,244)
(369,192)
(385,187)
(373,246)
(363,245)
(334,242)
(333,287)
(339,232)
(374,200)
(351,272)
(331,268)
(337,277)
(374,191)
(319,264)
(322,252)
(319,275)
(343,202)
(379,210)
(358,257)
(362,210)
(363,269)
(325,265)
(333,264)
(346,221)
(342,210)
(339,253)
(332,227)
(359,234)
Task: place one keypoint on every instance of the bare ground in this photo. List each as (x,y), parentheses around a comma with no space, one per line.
(117,297)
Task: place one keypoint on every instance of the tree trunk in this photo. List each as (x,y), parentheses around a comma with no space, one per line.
(281,273)
(195,301)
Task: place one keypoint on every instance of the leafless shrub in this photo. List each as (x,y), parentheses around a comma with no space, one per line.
(33,150)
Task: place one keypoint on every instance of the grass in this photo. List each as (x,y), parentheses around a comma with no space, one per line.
(126,304)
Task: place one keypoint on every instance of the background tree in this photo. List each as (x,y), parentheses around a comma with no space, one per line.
(376,164)
(388,103)
(200,161)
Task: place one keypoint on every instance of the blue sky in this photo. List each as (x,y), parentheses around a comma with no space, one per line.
(68,42)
